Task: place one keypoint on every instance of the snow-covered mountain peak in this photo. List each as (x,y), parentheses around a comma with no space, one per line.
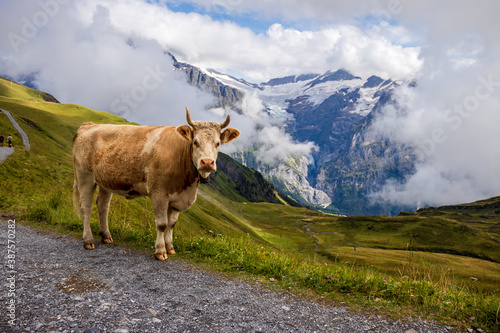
(290,79)
(313,88)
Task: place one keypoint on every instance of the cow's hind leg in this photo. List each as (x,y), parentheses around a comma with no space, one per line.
(173,215)
(160,206)
(103,199)
(86,187)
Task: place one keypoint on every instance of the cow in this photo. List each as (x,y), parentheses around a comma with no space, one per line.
(165,163)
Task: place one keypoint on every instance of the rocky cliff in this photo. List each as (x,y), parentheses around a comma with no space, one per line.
(225,95)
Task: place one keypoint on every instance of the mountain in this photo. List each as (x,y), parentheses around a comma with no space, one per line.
(226,95)
(238,182)
(335,111)
(290,79)
(352,159)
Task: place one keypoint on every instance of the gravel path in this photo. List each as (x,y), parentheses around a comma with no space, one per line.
(60,287)
(5,152)
(26,141)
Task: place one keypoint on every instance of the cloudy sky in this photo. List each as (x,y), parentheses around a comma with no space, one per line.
(99,52)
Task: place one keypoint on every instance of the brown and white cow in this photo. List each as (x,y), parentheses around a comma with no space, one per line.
(164,163)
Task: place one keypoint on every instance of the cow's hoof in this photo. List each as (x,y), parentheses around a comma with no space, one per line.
(107,240)
(106,237)
(171,251)
(88,245)
(161,256)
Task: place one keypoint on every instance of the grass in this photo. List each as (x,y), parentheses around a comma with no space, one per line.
(7,129)
(410,294)
(288,247)
(17,91)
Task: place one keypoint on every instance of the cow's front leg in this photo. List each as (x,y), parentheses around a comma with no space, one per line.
(173,215)
(160,206)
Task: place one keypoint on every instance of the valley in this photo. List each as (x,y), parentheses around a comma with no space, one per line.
(429,242)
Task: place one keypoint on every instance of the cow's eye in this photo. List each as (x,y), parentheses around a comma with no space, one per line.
(217,145)
(196,143)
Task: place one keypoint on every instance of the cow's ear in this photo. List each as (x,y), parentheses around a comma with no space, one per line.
(185,131)
(229,135)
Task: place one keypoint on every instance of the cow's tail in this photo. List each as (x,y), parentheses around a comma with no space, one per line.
(76,194)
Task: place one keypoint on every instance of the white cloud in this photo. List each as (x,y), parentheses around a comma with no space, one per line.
(296,10)
(265,134)
(454,129)
(453,113)
(276,145)
(200,40)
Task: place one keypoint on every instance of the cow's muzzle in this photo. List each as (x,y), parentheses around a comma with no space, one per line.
(207,164)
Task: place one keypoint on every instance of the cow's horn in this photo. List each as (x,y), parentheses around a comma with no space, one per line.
(224,124)
(188,117)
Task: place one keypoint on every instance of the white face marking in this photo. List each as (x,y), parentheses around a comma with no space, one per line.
(206,144)
(206,140)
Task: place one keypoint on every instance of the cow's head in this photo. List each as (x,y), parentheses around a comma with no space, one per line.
(206,139)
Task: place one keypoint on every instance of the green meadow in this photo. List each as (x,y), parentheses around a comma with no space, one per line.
(438,263)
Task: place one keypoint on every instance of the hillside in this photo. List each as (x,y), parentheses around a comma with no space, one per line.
(242,224)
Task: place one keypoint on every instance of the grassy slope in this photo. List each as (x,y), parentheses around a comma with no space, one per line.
(38,184)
